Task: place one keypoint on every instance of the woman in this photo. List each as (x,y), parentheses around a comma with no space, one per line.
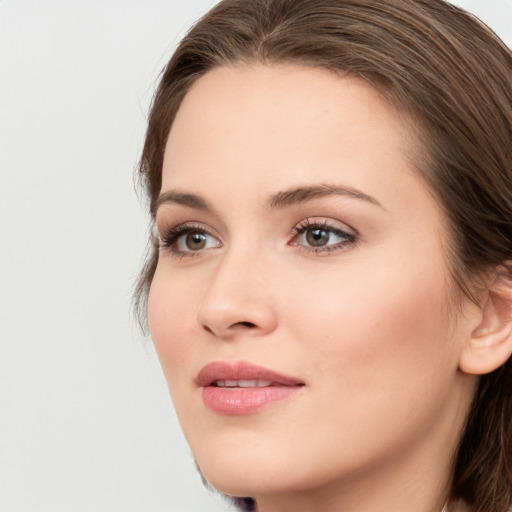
(329,287)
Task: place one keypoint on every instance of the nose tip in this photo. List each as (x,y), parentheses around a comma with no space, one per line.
(227,321)
(233,306)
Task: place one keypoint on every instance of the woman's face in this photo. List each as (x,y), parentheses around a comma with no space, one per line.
(302,303)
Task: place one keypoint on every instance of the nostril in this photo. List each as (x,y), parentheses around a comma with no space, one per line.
(245,324)
(235,326)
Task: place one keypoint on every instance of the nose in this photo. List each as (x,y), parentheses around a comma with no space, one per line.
(237,299)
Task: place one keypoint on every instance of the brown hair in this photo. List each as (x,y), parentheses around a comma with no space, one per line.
(453,76)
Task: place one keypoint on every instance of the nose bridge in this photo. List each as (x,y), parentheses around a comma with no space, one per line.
(237,298)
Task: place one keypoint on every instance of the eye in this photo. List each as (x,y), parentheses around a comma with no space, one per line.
(188,239)
(321,236)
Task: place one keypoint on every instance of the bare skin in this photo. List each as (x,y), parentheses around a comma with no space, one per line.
(342,283)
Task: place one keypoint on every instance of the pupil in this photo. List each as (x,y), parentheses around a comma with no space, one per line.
(317,237)
(195,241)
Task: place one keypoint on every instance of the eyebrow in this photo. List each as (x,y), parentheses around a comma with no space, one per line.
(276,201)
(303,194)
(182,198)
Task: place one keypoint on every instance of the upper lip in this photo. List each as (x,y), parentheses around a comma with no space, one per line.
(241,370)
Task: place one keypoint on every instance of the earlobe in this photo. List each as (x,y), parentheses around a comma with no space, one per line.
(490,344)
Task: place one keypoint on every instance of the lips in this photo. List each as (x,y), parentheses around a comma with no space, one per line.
(243,388)
(241,371)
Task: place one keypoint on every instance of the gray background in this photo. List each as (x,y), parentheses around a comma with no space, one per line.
(85,421)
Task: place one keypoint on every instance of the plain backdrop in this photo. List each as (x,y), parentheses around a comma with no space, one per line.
(86,424)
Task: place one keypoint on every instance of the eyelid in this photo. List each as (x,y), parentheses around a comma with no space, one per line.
(350,235)
(168,236)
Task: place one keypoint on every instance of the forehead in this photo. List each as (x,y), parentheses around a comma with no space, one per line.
(258,129)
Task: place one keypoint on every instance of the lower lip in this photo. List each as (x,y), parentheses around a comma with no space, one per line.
(238,401)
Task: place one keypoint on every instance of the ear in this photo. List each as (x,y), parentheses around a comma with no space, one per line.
(490,343)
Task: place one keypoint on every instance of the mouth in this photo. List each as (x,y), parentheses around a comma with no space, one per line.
(243,388)
(242,383)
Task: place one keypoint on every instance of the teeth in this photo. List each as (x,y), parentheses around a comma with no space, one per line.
(243,383)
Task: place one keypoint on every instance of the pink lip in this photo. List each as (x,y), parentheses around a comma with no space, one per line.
(238,401)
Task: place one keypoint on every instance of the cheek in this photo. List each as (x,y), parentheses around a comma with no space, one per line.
(171,317)
(380,334)
(379,353)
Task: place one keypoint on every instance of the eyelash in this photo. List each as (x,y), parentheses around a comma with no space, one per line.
(173,235)
(349,239)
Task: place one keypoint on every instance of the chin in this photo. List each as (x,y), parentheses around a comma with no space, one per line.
(246,474)
(238,476)
(238,479)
